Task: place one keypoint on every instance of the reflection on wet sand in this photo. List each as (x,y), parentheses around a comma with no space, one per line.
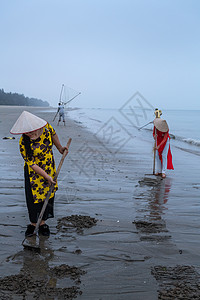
(38,280)
(160,196)
(154,196)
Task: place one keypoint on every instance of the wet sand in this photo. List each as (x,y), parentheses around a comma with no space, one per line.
(117,233)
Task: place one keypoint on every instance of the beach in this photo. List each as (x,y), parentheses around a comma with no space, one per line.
(118,232)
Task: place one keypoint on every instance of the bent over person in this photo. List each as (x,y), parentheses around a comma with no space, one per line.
(163,151)
(36,144)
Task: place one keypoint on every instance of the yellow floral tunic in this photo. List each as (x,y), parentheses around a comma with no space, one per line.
(43,157)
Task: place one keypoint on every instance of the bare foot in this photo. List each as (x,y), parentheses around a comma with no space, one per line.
(163,175)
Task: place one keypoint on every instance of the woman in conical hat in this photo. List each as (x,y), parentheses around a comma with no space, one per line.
(36,143)
(163,151)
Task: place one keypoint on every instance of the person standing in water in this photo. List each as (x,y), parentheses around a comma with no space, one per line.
(163,156)
(36,142)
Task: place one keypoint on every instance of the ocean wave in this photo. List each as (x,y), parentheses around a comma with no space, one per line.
(186,140)
(192,141)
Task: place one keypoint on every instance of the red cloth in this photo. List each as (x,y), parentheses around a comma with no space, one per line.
(160,137)
(169,160)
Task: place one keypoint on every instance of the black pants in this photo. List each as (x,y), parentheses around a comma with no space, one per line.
(35,208)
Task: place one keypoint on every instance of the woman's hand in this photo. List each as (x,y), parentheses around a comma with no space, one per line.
(62,149)
(50,180)
(156,147)
(41,172)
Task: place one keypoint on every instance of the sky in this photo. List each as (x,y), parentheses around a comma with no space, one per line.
(106,49)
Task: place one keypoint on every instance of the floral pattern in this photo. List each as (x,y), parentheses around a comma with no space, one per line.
(43,157)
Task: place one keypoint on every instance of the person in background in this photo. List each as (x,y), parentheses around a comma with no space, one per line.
(36,142)
(163,156)
(61,111)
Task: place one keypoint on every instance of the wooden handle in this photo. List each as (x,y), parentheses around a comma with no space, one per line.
(51,187)
(62,159)
(154,157)
(55,116)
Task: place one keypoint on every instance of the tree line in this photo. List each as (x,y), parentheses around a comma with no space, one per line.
(19,100)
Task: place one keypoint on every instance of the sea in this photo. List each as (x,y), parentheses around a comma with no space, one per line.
(114,124)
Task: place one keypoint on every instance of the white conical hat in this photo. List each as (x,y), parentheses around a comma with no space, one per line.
(27,122)
(161,124)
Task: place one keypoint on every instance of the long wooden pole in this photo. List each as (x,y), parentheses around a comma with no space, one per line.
(61,93)
(145,125)
(59,101)
(72,98)
(51,188)
(154,156)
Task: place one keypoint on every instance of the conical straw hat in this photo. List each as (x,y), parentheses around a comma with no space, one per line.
(161,124)
(27,122)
